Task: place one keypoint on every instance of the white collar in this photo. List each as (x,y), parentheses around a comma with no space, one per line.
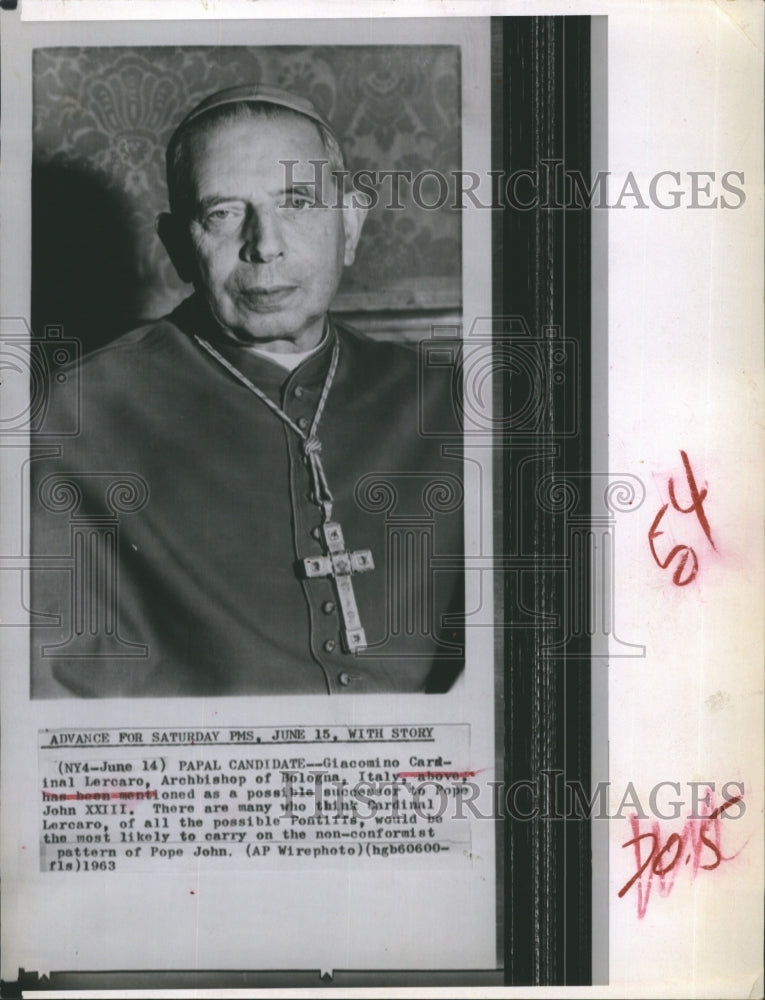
(289,361)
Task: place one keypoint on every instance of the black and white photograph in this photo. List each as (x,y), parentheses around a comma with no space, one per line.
(258,498)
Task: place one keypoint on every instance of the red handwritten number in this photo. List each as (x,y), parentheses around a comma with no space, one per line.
(679,577)
(687,565)
(697,499)
(699,834)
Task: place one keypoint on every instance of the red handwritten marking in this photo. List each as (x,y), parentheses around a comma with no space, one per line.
(699,835)
(423,775)
(697,499)
(79,796)
(683,575)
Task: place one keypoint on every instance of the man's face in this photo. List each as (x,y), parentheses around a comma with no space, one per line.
(263,254)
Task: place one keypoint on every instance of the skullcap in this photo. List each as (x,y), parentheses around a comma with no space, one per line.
(256,93)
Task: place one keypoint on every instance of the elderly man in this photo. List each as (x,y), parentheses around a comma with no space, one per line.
(256,501)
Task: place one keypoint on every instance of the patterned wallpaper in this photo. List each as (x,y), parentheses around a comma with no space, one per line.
(102,119)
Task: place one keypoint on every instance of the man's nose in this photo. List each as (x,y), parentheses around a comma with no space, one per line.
(262,238)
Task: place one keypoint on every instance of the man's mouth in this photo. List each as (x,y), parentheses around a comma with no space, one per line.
(265,297)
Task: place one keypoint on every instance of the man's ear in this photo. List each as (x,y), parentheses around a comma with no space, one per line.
(175,239)
(355,208)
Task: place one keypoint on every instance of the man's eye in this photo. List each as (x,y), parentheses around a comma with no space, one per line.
(221,216)
(299,201)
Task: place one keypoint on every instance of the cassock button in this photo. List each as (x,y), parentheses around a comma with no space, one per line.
(328,607)
(329,645)
(316,533)
(298,391)
(344,679)
(303,423)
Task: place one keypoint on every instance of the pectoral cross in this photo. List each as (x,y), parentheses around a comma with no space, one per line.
(339,564)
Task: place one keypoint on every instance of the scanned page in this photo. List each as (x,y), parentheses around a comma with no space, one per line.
(382,540)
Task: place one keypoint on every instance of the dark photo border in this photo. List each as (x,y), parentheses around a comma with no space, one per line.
(542,274)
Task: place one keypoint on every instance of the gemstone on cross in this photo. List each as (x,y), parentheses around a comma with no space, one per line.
(339,564)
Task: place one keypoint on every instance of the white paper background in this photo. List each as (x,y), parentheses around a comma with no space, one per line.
(685,372)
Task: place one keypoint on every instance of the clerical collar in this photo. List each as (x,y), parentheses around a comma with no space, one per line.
(193,317)
(289,361)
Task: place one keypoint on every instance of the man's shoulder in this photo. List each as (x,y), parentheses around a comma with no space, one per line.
(371,351)
(404,374)
(116,378)
(148,338)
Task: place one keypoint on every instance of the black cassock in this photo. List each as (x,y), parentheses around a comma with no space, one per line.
(171,533)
